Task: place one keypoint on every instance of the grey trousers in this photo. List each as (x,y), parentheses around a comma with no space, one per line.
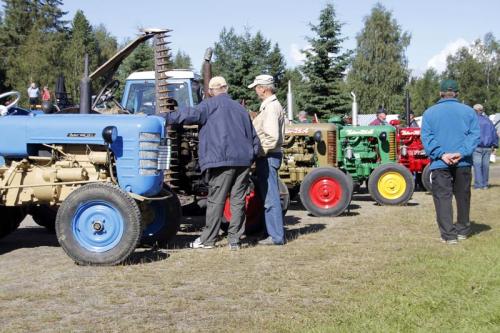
(232,181)
(447,183)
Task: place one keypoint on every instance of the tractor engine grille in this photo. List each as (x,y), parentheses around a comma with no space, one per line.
(149,153)
(392,146)
(332,148)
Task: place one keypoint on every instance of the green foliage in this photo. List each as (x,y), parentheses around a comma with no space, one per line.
(239,58)
(477,72)
(325,67)
(141,59)
(182,61)
(82,41)
(379,71)
(424,91)
(37,45)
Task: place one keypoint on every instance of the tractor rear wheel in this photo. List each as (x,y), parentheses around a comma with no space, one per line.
(391,184)
(11,219)
(44,216)
(254,208)
(165,217)
(98,224)
(426,178)
(326,192)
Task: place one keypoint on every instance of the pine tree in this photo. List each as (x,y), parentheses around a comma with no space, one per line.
(239,58)
(182,61)
(106,43)
(424,91)
(379,70)
(81,42)
(141,59)
(325,67)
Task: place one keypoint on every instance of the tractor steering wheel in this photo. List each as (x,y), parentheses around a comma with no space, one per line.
(4,110)
(106,93)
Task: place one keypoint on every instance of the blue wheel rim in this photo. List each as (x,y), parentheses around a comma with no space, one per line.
(159,220)
(97,226)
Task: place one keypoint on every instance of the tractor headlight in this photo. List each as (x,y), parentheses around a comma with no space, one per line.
(110,134)
(383,136)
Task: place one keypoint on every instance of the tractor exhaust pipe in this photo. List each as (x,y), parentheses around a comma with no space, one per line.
(354,109)
(289,101)
(407,108)
(207,70)
(85,91)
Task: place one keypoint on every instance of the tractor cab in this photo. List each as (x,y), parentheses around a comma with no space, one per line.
(183,87)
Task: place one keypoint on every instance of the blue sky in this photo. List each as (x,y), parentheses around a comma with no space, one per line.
(437,27)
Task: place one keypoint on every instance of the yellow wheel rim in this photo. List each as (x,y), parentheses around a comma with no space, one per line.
(391,185)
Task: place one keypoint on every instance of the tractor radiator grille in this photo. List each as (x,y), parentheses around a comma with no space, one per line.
(392,146)
(332,148)
(149,153)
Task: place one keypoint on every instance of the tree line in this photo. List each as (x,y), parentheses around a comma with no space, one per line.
(36,44)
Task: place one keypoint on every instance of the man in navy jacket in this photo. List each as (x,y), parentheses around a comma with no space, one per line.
(228,146)
(450,133)
(481,156)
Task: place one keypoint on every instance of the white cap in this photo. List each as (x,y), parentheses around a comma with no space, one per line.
(263,79)
(217,82)
(478,107)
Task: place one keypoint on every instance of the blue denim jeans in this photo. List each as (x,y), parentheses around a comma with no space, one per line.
(481,161)
(267,181)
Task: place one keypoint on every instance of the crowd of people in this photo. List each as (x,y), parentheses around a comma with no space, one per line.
(230,141)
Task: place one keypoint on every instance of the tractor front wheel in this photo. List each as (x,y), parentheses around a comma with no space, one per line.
(326,192)
(426,178)
(98,224)
(391,184)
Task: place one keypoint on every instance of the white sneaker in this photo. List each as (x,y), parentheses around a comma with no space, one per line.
(462,237)
(197,244)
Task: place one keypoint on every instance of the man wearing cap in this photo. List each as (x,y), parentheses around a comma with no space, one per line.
(270,126)
(228,146)
(303,117)
(450,134)
(412,122)
(380,120)
(481,155)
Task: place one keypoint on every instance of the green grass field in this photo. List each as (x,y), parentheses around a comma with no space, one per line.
(375,269)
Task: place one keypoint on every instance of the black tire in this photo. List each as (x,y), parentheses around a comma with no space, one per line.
(391,184)
(98,224)
(326,192)
(11,219)
(426,178)
(44,216)
(169,213)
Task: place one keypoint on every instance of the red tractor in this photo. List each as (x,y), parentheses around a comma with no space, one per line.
(412,155)
(411,151)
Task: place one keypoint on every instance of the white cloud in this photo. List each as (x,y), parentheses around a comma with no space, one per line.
(438,61)
(295,55)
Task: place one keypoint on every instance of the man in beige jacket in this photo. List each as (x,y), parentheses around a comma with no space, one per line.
(270,127)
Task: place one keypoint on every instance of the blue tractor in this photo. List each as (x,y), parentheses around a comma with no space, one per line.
(101,176)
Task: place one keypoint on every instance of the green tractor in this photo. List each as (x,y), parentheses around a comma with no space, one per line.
(326,161)
(368,154)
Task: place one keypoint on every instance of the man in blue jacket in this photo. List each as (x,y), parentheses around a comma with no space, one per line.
(450,133)
(481,156)
(228,146)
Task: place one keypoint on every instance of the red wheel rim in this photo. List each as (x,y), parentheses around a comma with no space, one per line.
(325,192)
(254,210)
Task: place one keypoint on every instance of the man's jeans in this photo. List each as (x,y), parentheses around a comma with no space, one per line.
(481,161)
(267,180)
